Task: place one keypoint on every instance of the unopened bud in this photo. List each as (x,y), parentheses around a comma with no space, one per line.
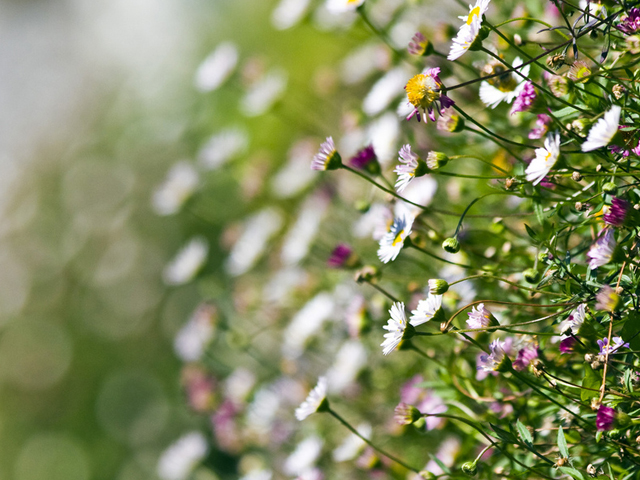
(555,61)
(517,39)
(592,471)
(589,357)
(469,468)
(406,414)
(366,274)
(596,365)
(451,245)
(438,286)
(609,188)
(618,91)
(576,176)
(436,160)
(444,327)
(579,206)
(531,275)
(508,183)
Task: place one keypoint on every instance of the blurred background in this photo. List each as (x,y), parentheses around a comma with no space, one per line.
(99,99)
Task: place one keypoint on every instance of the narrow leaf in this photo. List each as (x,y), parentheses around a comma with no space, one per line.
(525,435)
(562,444)
(572,472)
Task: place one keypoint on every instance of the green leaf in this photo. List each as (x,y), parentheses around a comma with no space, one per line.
(504,435)
(525,435)
(531,232)
(591,380)
(572,472)
(444,468)
(630,330)
(562,443)
(537,207)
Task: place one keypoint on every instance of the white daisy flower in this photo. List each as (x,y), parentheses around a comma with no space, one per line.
(288,13)
(603,131)
(469,30)
(327,157)
(392,242)
(182,180)
(398,327)
(316,400)
(411,166)
(193,338)
(187,263)
(303,457)
(427,310)
(504,88)
(575,320)
(222,147)
(545,159)
(338,6)
(352,445)
(264,93)
(349,362)
(217,67)
(179,460)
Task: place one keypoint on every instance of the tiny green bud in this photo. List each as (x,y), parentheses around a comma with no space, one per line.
(543,256)
(366,274)
(436,160)
(609,188)
(438,286)
(531,275)
(451,245)
(622,419)
(470,468)
(362,205)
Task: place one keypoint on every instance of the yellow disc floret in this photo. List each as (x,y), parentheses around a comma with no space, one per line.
(422,90)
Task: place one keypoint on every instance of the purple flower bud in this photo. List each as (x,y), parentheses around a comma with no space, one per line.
(339,256)
(630,24)
(524,101)
(524,358)
(617,212)
(605,418)
(363,158)
(567,344)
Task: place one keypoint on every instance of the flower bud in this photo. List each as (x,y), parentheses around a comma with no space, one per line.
(531,275)
(618,91)
(438,286)
(450,121)
(609,188)
(589,357)
(592,471)
(576,176)
(470,468)
(436,160)
(451,245)
(406,414)
(366,274)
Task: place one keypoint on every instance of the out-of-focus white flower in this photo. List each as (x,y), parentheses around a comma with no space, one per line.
(180,183)
(187,263)
(352,445)
(383,134)
(447,453)
(507,88)
(298,240)
(314,401)
(239,384)
(574,321)
(222,147)
(264,93)
(469,30)
(421,191)
(545,159)
(376,222)
(303,457)
(263,409)
(389,87)
(295,175)
(178,461)
(337,6)
(282,283)
(288,13)
(305,324)
(603,131)
(217,67)
(258,230)
(311,474)
(393,241)
(362,62)
(194,337)
(349,362)
(259,474)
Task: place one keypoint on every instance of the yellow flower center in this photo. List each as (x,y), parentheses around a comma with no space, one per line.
(547,157)
(398,238)
(473,13)
(422,90)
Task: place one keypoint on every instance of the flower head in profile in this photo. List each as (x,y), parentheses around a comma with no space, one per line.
(366,159)
(496,360)
(327,157)
(424,91)
(524,357)
(397,327)
(505,87)
(546,158)
(405,414)
(411,166)
(419,45)
(480,317)
(605,348)
(340,256)
(574,322)
(601,252)
(316,401)
(428,309)
(617,213)
(469,31)
(392,242)
(605,418)
(607,299)
(603,131)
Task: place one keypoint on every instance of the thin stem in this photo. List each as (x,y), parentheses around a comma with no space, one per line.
(368,442)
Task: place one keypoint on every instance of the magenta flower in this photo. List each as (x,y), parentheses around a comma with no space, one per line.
(525,357)
(617,212)
(606,348)
(524,101)
(366,159)
(605,418)
(567,344)
(630,24)
(339,256)
(541,128)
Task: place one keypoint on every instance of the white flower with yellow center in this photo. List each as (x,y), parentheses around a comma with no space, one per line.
(469,31)
(398,327)
(427,310)
(315,402)
(506,87)
(339,6)
(545,159)
(603,131)
(393,240)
